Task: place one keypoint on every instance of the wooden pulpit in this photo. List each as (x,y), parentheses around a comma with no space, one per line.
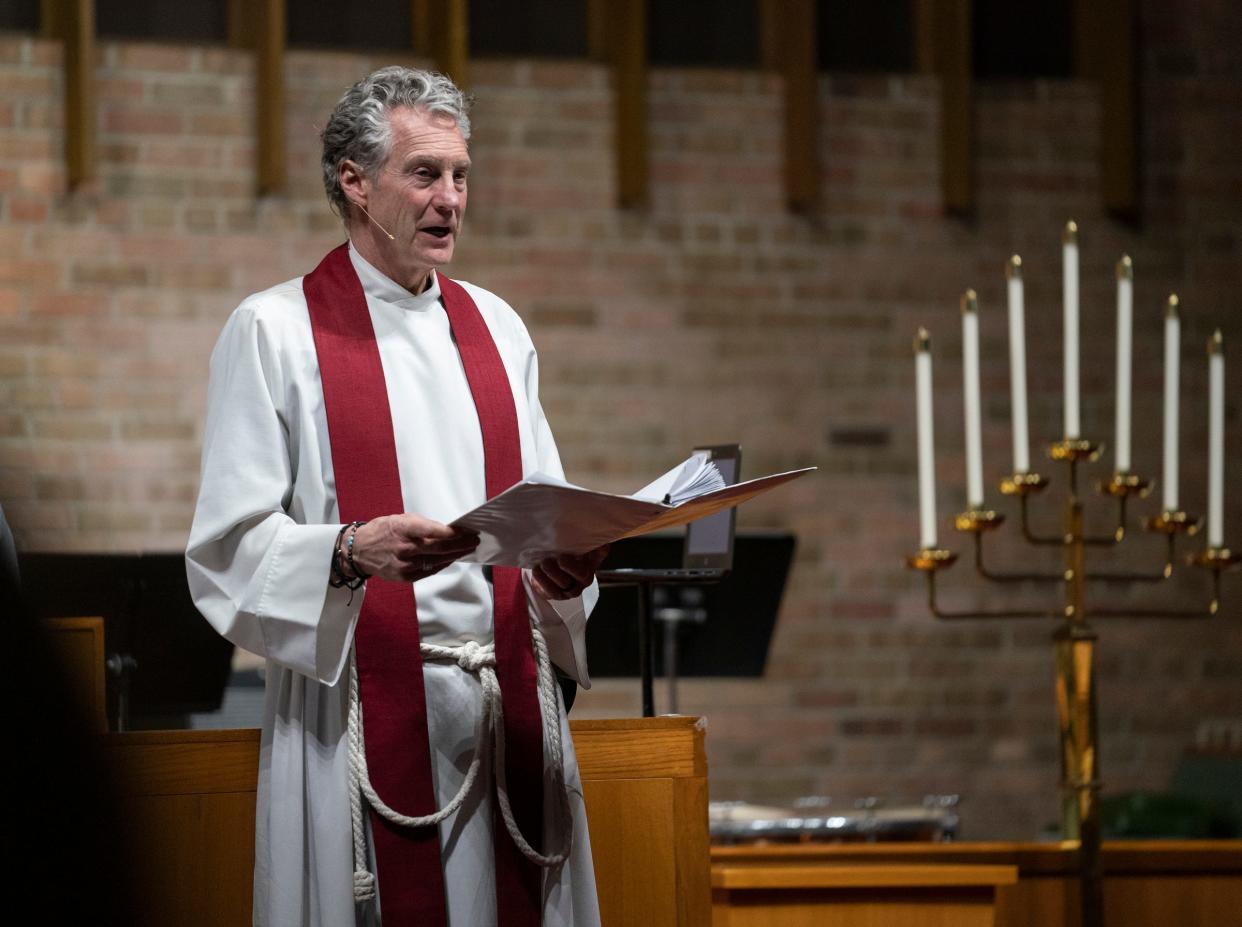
(189,804)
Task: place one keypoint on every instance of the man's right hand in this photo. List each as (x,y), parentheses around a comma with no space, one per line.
(405,548)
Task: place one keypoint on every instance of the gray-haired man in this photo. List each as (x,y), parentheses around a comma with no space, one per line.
(352,414)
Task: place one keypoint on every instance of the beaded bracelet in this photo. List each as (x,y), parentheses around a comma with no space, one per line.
(338,578)
(349,552)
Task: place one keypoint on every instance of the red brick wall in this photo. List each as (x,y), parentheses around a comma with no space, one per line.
(711,316)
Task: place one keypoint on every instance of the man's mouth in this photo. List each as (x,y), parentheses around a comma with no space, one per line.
(439,231)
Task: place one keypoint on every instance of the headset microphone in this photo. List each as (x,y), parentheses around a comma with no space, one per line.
(377,225)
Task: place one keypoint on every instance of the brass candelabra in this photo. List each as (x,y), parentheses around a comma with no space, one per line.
(1074,636)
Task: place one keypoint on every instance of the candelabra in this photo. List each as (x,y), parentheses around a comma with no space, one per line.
(1074,637)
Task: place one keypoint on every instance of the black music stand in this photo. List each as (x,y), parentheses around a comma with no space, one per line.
(740,611)
(165,661)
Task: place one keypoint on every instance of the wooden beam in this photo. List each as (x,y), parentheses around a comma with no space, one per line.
(241,23)
(799,66)
(441,32)
(73,22)
(771,34)
(421,27)
(1116,72)
(1085,24)
(924,33)
(51,19)
(629,36)
(270,95)
(599,46)
(954,65)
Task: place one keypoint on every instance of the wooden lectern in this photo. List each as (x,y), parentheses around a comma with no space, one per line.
(189,804)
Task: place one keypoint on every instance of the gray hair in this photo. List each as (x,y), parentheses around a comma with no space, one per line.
(358,129)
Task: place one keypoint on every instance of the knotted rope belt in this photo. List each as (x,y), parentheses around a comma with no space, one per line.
(479,659)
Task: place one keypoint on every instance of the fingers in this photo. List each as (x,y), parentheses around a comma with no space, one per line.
(408,547)
(567,575)
(545,587)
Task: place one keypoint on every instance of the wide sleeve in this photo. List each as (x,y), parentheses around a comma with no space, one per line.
(258,577)
(563,621)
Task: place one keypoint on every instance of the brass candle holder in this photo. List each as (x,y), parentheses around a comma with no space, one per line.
(1074,639)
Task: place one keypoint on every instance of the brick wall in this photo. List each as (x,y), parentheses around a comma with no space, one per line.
(711,316)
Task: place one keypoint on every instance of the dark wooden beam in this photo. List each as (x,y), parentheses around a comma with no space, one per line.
(629,46)
(241,23)
(73,22)
(599,46)
(794,35)
(771,34)
(421,27)
(953,63)
(1085,24)
(441,32)
(270,95)
(1113,64)
(924,34)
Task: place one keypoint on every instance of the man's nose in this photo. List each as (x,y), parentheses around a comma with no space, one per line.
(447,194)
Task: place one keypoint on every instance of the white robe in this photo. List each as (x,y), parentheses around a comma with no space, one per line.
(258,563)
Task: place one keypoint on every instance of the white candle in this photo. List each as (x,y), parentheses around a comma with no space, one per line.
(970,373)
(1017,367)
(1216,441)
(1069,263)
(927,473)
(1125,332)
(1172,360)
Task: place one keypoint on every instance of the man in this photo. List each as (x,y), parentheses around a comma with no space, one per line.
(352,414)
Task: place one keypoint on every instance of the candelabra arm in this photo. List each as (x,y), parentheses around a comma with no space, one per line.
(1029,535)
(1124,577)
(953,615)
(995,577)
(1215,559)
(1119,533)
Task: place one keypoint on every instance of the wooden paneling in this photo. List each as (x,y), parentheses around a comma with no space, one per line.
(189,802)
(669,747)
(188,805)
(1147,883)
(895,895)
(634,874)
(645,782)
(79,646)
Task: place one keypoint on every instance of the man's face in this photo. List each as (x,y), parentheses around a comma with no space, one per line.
(419,195)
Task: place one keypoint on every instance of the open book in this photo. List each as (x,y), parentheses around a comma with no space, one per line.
(542,516)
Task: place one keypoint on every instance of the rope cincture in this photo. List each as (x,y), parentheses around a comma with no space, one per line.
(479,659)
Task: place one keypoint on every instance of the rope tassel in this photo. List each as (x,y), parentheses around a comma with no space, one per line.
(479,659)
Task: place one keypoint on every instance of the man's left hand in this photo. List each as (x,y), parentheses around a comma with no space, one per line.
(566,575)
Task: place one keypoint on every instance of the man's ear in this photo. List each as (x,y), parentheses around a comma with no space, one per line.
(353,182)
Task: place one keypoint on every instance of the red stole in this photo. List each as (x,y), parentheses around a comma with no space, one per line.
(368,485)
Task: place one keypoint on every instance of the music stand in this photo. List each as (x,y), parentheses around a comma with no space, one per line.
(165,660)
(707,557)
